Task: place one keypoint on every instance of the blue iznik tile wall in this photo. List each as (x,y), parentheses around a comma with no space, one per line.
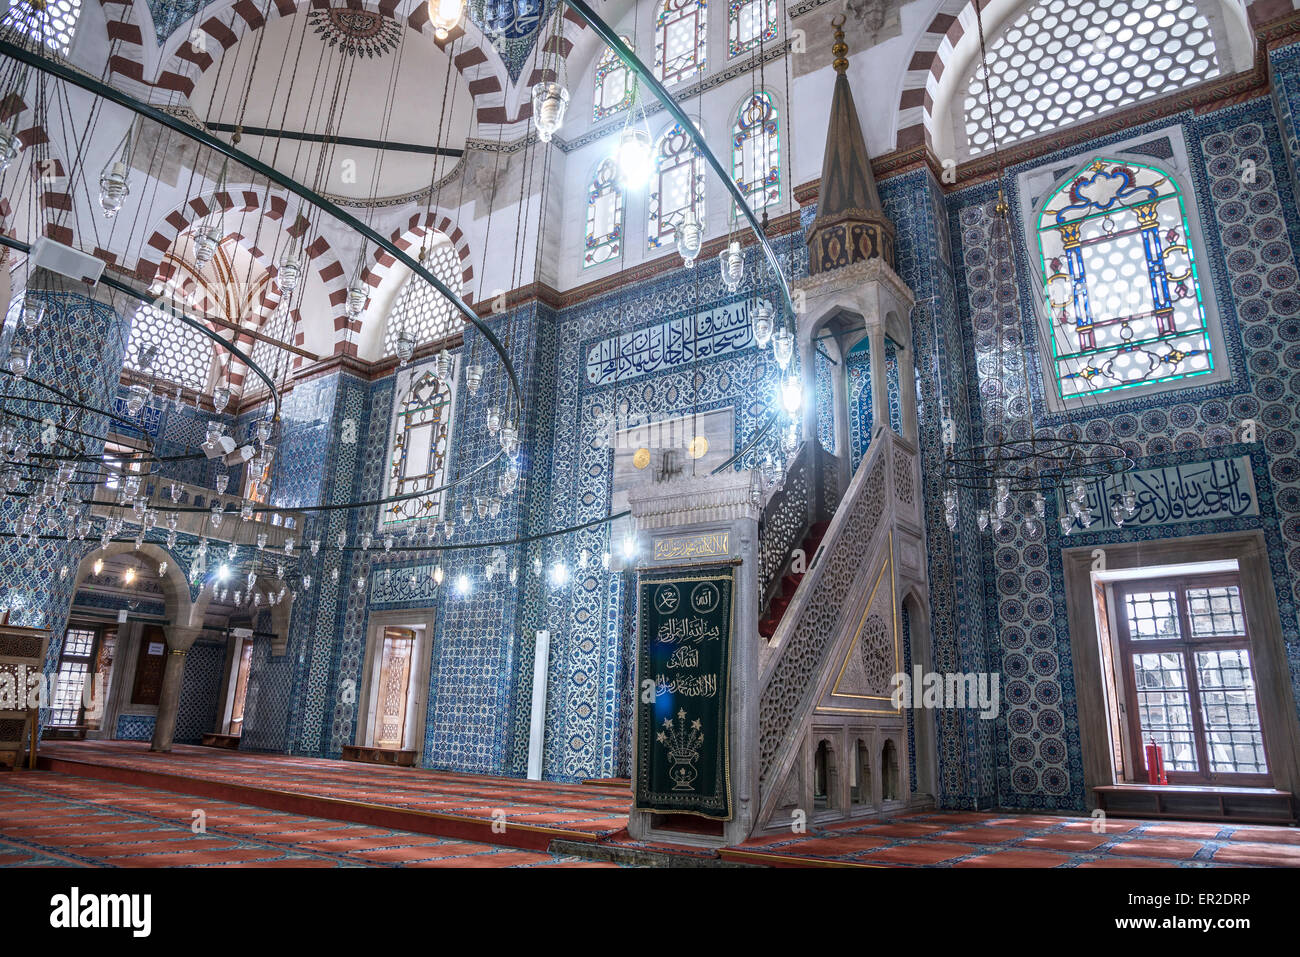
(995,604)
(78,346)
(1249,267)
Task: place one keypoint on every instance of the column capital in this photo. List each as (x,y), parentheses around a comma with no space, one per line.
(179,638)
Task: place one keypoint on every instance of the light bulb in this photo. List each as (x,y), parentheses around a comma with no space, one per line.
(98,566)
(205,247)
(462,584)
(634,158)
(9,146)
(438,575)
(33,312)
(405,347)
(445,16)
(136,398)
(290,272)
(732,265)
(113,189)
(783,347)
(792,395)
(129,576)
(690,236)
(357,295)
(550,100)
(559,574)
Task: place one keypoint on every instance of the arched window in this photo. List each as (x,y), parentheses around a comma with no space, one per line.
(420,310)
(604,216)
(678,185)
(681,37)
(162,345)
(749,22)
(1062,61)
(1119,274)
(756,152)
(615,86)
(54,22)
(421,435)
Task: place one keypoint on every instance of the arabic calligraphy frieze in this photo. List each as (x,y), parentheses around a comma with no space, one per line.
(707,545)
(1222,488)
(676,342)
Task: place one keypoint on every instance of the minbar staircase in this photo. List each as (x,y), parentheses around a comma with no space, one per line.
(830,744)
(789,582)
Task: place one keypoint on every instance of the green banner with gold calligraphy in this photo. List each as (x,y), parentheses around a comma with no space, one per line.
(684,648)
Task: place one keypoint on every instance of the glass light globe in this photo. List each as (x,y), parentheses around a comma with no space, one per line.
(442,366)
(220,398)
(19,360)
(9,146)
(113,189)
(33,311)
(205,247)
(783,346)
(290,272)
(474,378)
(405,348)
(791,395)
(732,266)
(445,16)
(550,100)
(493,419)
(761,322)
(634,158)
(690,236)
(357,294)
(509,439)
(136,398)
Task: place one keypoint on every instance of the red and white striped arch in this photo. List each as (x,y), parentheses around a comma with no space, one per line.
(410,238)
(181,64)
(318,253)
(933,56)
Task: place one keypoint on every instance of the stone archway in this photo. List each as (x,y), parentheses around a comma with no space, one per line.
(184,622)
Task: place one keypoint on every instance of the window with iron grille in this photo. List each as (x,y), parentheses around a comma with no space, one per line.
(1190,679)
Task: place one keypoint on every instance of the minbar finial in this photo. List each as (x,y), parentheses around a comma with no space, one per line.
(841,49)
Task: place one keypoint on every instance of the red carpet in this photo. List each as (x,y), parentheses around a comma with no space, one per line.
(526,814)
(998,839)
(375,815)
(52,820)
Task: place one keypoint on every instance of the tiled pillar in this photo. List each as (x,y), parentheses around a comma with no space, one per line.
(77,350)
(179,642)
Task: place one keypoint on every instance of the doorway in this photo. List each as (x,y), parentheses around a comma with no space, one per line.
(394,686)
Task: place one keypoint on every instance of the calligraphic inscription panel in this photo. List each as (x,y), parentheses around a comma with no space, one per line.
(1223,488)
(676,342)
(684,647)
(686,547)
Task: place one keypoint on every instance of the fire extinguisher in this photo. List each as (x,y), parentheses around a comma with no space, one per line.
(1155,765)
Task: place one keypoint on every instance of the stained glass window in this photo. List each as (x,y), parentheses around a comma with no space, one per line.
(677,185)
(604,216)
(748,23)
(1120,278)
(756,152)
(615,86)
(163,345)
(681,38)
(423,312)
(1062,61)
(421,434)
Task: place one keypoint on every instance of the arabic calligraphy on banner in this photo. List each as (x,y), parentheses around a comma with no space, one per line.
(684,648)
(1223,488)
(676,342)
